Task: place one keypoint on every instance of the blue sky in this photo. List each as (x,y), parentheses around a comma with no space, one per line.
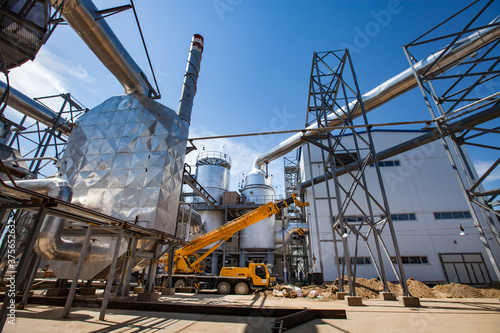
(256,64)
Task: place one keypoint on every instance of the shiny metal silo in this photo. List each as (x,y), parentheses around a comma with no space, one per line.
(213,171)
(258,188)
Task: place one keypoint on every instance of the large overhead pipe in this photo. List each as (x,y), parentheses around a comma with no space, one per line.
(428,137)
(22,103)
(190,79)
(392,88)
(85,19)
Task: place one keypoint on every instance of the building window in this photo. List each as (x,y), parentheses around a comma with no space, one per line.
(387,164)
(359,261)
(404,217)
(452,215)
(411,260)
(353,219)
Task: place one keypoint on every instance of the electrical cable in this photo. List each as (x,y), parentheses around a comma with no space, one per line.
(157,94)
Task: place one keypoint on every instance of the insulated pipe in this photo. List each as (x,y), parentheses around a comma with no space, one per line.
(49,244)
(391,88)
(190,79)
(289,230)
(421,140)
(28,106)
(84,18)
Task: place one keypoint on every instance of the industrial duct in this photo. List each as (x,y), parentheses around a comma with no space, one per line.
(22,103)
(284,236)
(391,88)
(49,244)
(85,19)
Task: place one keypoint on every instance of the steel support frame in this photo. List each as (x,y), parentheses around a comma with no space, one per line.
(111,276)
(334,84)
(124,287)
(45,141)
(445,98)
(297,257)
(78,270)
(23,263)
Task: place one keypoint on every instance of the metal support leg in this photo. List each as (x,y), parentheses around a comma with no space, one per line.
(215,262)
(23,263)
(151,276)
(242,259)
(126,286)
(29,283)
(79,265)
(3,214)
(153,269)
(171,255)
(111,276)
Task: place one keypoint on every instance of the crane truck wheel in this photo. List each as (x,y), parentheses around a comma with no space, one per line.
(241,288)
(180,283)
(223,288)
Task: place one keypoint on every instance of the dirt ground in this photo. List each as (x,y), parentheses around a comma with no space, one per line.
(370,288)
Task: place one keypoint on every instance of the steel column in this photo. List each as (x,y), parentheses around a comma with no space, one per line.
(23,263)
(78,270)
(29,282)
(111,276)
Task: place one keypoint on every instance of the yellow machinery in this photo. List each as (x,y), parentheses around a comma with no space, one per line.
(187,262)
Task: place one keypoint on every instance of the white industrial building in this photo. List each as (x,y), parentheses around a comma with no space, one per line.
(428,209)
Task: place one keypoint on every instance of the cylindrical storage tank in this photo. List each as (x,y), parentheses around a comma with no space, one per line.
(259,236)
(213,173)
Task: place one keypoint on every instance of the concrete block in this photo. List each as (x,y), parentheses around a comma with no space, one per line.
(353,300)
(86,291)
(57,292)
(341,295)
(186,290)
(147,296)
(386,296)
(409,301)
(168,291)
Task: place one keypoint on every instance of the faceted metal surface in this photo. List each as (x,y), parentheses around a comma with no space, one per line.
(125,159)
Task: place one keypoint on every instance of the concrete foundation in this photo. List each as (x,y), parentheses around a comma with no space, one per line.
(148,296)
(167,291)
(341,295)
(57,292)
(86,291)
(409,301)
(386,296)
(353,301)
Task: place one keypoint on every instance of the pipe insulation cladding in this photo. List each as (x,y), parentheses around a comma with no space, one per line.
(391,88)
(88,23)
(33,109)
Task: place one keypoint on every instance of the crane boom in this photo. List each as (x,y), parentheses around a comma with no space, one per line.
(224,232)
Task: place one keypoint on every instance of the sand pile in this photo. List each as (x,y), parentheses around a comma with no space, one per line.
(419,289)
(457,290)
(370,288)
(491,291)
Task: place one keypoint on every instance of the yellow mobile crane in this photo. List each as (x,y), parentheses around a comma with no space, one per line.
(188,265)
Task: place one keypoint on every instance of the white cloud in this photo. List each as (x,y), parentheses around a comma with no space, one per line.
(483,166)
(48,75)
